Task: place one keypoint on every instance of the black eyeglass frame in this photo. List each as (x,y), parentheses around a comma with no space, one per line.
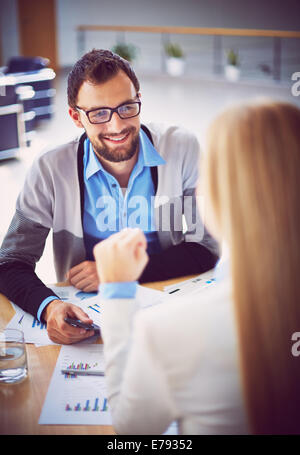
(112,110)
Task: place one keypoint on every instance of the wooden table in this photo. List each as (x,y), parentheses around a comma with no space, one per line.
(21,404)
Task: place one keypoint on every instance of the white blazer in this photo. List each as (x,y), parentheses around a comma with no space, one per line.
(175,361)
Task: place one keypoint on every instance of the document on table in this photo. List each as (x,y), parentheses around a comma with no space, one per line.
(36,331)
(191,286)
(79,400)
(76,399)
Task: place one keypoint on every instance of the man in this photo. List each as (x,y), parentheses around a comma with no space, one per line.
(118,174)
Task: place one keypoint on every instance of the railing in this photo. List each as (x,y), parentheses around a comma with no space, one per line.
(217,33)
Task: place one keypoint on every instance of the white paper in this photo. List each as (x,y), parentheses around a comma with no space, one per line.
(80,400)
(191,286)
(77,400)
(70,293)
(149,297)
(36,332)
(91,303)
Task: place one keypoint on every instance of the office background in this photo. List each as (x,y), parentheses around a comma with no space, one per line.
(50,29)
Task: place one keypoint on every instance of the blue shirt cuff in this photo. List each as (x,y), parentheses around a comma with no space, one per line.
(44,304)
(124,290)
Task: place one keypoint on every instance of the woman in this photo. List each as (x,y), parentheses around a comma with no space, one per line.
(220,362)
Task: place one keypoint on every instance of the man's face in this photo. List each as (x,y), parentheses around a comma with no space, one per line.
(118,139)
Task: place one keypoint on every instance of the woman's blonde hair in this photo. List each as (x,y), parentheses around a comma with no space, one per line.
(252,178)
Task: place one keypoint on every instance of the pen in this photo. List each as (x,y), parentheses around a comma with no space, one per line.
(84,372)
(175,290)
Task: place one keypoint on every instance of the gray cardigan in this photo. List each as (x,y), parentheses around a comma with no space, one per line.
(52,198)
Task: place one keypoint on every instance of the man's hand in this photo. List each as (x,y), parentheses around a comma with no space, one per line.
(60,331)
(84,276)
(121,257)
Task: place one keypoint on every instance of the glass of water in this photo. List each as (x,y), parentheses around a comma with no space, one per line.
(13,361)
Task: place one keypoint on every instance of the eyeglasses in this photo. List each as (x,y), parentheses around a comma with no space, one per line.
(104,114)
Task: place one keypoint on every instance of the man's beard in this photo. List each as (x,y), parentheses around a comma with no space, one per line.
(117,153)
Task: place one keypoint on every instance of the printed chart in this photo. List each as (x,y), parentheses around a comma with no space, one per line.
(34,330)
(98,405)
(40,325)
(95,307)
(75,399)
(83,400)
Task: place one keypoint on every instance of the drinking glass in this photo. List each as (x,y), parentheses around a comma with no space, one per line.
(13,360)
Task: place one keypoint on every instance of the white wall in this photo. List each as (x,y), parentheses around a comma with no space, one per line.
(269,14)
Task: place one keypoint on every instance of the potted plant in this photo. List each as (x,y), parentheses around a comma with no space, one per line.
(175,59)
(232,68)
(126,51)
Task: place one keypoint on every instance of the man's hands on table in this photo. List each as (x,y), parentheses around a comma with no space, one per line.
(60,331)
(84,276)
(122,257)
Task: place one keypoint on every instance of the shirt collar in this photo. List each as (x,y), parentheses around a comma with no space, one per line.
(91,162)
(148,156)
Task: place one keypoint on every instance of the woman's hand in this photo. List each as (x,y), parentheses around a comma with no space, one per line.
(121,257)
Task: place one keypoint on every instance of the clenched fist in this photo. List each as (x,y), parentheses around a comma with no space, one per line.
(121,257)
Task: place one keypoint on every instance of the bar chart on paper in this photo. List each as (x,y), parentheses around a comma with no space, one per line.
(82,358)
(81,366)
(81,400)
(34,330)
(75,399)
(91,306)
(95,405)
(40,325)
(84,401)
(95,307)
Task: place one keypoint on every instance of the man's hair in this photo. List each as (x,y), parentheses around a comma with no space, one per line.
(97,66)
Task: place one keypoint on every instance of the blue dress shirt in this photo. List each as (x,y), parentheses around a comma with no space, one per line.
(108,210)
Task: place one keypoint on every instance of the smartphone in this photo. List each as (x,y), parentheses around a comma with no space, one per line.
(77,323)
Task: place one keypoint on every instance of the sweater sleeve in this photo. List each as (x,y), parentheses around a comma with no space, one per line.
(25,240)
(20,284)
(187,258)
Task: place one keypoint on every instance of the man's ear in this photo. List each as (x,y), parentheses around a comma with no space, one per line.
(75,116)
